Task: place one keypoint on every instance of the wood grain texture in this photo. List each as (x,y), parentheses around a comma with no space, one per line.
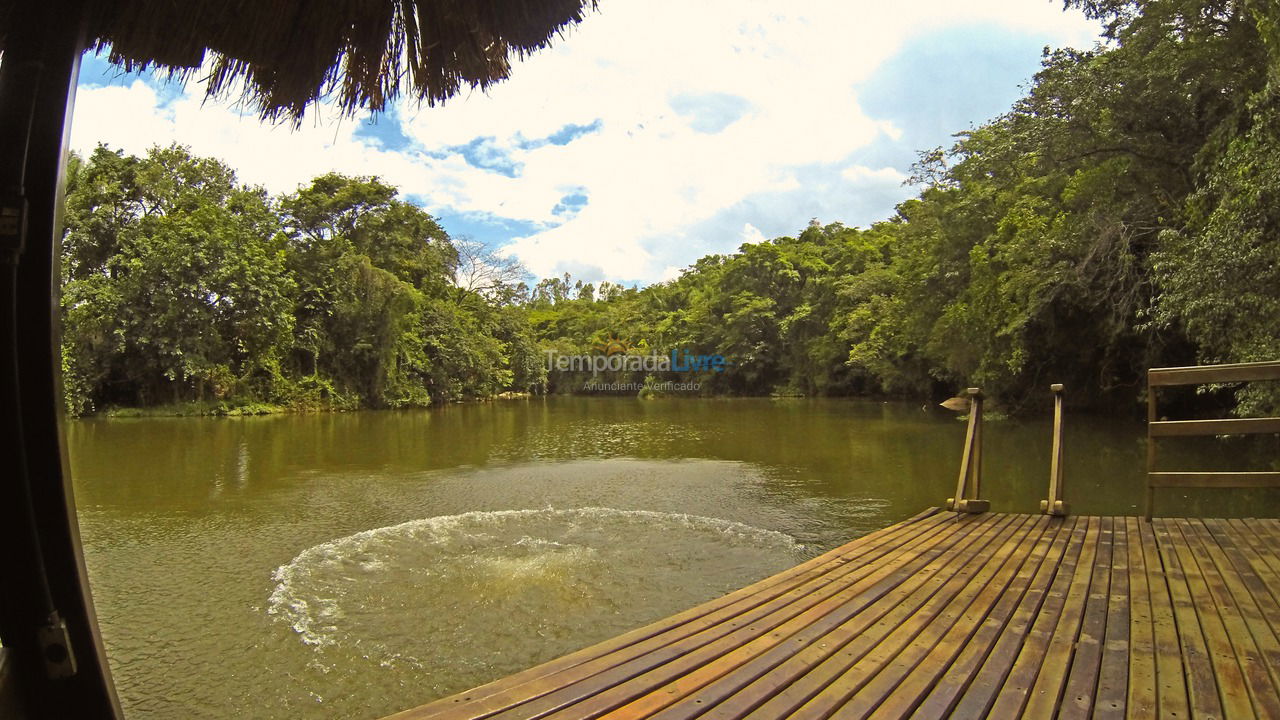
(950,615)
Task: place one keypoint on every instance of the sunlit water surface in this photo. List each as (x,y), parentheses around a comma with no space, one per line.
(335,566)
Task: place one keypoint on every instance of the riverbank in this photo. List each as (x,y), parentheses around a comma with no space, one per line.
(252,409)
(224,408)
(199,409)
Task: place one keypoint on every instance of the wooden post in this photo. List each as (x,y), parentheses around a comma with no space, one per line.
(969,484)
(965,459)
(1055,505)
(975,478)
(1152,416)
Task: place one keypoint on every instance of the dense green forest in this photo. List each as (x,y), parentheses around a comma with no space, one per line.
(181,285)
(1123,214)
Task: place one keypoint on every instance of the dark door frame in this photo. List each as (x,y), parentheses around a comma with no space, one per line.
(47,622)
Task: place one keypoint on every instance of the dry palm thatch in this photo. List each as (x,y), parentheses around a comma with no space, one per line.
(287,54)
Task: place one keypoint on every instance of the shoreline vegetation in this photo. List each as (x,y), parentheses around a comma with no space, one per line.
(232,408)
(1120,216)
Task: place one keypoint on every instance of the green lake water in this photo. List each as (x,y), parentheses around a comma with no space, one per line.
(353,565)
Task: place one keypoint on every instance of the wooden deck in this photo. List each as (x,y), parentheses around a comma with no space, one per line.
(948,615)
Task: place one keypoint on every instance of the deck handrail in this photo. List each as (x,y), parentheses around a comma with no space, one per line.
(1156,428)
(1054,504)
(1205,374)
(969,483)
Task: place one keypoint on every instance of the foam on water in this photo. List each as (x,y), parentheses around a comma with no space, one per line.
(483,587)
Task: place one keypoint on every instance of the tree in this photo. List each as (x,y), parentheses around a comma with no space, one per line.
(480,270)
(176,285)
(180,284)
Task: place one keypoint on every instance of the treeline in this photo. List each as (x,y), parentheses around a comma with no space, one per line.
(181,285)
(1122,215)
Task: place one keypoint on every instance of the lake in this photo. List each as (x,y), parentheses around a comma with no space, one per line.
(353,565)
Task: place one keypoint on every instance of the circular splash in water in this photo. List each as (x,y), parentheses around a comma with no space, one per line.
(504,590)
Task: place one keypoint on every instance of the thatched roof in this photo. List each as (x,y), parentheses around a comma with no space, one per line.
(286,54)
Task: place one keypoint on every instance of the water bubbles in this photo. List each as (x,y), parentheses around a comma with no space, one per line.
(461,594)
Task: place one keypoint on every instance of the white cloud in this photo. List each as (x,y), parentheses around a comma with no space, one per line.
(861,174)
(649,173)
(751,234)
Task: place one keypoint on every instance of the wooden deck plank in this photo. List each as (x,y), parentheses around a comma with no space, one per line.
(1202,685)
(623,684)
(1113,676)
(945,615)
(825,690)
(1046,693)
(1268,532)
(853,642)
(989,655)
(1002,691)
(900,686)
(1239,618)
(1261,532)
(1222,628)
(1140,698)
(836,629)
(1173,695)
(1086,660)
(835,648)
(1265,562)
(878,673)
(1254,575)
(734,697)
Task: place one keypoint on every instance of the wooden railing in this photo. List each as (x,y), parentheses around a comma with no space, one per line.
(1055,505)
(969,485)
(1156,428)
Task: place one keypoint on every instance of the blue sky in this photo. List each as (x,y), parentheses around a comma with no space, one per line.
(632,147)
